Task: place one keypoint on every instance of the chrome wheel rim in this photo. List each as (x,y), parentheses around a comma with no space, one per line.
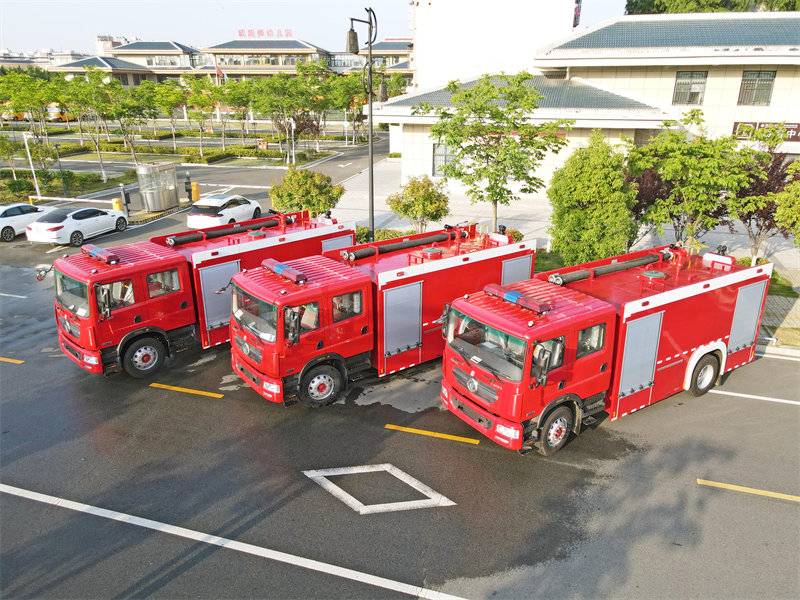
(704,377)
(120,224)
(321,387)
(8,235)
(557,432)
(145,358)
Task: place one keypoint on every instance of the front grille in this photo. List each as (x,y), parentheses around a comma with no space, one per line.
(248,349)
(483,391)
(473,414)
(72,351)
(247,373)
(70,328)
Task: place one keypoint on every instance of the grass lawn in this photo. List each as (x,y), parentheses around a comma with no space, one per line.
(779,286)
(125,157)
(547,261)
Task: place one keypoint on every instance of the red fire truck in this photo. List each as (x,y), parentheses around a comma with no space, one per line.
(130,306)
(304,329)
(527,364)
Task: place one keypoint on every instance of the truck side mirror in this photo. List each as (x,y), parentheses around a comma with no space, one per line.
(292,327)
(443,319)
(105,302)
(541,365)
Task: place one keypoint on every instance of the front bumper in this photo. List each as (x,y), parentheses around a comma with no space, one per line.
(480,419)
(79,355)
(255,379)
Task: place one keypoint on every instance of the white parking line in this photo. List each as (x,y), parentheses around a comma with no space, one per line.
(780,357)
(14,296)
(205,538)
(56,249)
(795,402)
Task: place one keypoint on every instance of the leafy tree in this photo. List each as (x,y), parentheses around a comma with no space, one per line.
(91,94)
(701,169)
(755,205)
(168,97)
(347,94)
(128,109)
(487,126)
(240,99)
(421,201)
(787,214)
(301,189)
(8,150)
(641,7)
(314,79)
(592,204)
(145,95)
(200,100)
(396,85)
(43,156)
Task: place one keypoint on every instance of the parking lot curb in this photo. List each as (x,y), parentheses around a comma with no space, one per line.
(153,217)
(787,351)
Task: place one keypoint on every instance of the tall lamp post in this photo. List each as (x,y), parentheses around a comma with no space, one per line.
(366,82)
(25,137)
(60,172)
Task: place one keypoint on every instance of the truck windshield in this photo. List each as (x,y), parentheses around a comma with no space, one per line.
(498,352)
(255,315)
(72,295)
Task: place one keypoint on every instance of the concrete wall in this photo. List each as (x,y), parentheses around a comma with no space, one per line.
(462,39)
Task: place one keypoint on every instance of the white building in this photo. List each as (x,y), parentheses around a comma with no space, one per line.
(451,37)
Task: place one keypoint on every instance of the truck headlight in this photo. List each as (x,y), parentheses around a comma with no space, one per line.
(272,387)
(444,391)
(507,431)
(92,360)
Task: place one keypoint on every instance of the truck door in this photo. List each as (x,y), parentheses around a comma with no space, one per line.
(311,343)
(590,373)
(168,305)
(557,374)
(126,299)
(216,307)
(349,333)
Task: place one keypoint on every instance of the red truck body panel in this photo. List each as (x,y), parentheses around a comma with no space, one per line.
(404,291)
(660,321)
(203,266)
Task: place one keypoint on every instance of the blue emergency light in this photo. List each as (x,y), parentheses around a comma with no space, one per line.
(284,271)
(517,298)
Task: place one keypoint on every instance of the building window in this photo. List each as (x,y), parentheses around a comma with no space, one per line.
(121,77)
(690,87)
(163,78)
(441,157)
(138,79)
(756,88)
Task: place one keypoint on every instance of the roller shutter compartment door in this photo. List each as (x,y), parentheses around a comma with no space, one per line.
(217,307)
(745,317)
(516,269)
(338,242)
(639,359)
(402,318)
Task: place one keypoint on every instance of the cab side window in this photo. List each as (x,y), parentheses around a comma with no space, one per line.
(346,306)
(556,348)
(591,340)
(165,282)
(120,294)
(308,315)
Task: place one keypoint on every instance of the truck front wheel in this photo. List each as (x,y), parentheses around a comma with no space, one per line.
(704,375)
(320,386)
(555,431)
(144,357)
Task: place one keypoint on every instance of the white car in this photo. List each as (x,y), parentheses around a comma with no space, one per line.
(74,225)
(14,218)
(219,210)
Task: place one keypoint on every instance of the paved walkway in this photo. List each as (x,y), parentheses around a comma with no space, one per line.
(532,216)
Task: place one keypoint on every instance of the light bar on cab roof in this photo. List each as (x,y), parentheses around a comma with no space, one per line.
(100,254)
(517,298)
(284,271)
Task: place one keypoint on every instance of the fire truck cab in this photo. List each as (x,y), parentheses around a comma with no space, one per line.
(528,364)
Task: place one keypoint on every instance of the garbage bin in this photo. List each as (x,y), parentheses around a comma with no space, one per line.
(158,186)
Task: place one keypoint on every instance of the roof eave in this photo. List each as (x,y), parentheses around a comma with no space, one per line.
(701,57)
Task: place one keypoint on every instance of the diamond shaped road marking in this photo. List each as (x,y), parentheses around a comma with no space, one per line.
(434,498)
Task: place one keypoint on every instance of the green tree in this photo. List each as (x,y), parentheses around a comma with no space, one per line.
(592,204)
(348,95)
(199,98)
(168,97)
(128,110)
(487,126)
(42,155)
(8,152)
(240,100)
(396,85)
(301,189)
(90,92)
(787,213)
(145,95)
(314,78)
(421,201)
(700,168)
(640,7)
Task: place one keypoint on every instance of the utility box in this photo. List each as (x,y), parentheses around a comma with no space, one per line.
(158,186)
(263,145)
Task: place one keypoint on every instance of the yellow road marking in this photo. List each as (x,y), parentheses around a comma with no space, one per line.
(443,436)
(186,390)
(747,490)
(11,360)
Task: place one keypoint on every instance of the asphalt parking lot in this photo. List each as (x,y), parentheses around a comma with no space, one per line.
(190,484)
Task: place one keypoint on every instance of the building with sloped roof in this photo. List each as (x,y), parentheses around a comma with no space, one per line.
(126,72)
(253,58)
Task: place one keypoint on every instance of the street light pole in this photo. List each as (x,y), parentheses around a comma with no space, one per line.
(25,136)
(60,172)
(352,47)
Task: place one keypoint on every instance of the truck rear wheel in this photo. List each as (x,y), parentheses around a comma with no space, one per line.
(555,431)
(144,357)
(704,375)
(320,386)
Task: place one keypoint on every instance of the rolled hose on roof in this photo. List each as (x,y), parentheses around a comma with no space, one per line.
(612,268)
(196,237)
(405,244)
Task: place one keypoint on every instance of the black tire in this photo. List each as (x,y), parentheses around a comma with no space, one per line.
(555,431)
(76,239)
(8,234)
(121,224)
(704,376)
(256,213)
(320,386)
(144,357)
